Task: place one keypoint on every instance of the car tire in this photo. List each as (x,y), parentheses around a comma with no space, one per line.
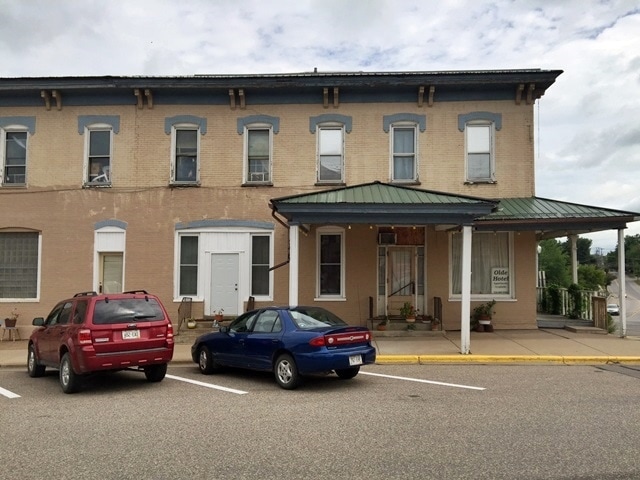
(155,373)
(33,367)
(69,380)
(206,363)
(347,373)
(286,372)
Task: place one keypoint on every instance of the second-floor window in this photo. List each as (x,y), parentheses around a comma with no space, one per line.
(258,155)
(480,157)
(185,161)
(404,157)
(14,157)
(330,154)
(98,156)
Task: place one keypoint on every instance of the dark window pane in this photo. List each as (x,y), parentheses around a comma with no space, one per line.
(18,265)
(99,143)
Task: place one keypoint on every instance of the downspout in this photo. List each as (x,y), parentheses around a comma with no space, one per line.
(285,225)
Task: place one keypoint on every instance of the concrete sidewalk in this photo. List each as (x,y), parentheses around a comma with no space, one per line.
(552,346)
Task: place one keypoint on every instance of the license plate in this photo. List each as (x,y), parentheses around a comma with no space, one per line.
(355,360)
(130,334)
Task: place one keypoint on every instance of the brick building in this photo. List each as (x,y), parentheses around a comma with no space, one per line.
(358,191)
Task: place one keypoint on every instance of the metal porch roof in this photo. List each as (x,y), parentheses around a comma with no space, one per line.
(384,203)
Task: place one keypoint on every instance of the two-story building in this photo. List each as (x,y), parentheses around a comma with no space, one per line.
(357,191)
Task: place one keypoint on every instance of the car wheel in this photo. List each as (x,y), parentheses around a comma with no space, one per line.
(347,373)
(155,373)
(34,369)
(206,363)
(286,372)
(69,380)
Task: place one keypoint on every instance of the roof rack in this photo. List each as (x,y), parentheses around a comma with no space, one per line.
(86,294)
(137,291)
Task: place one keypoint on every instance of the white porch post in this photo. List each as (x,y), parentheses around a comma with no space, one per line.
(465,301)
(622,279)
(574,258)
(294,254)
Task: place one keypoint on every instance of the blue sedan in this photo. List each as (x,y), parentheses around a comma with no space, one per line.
(288,341)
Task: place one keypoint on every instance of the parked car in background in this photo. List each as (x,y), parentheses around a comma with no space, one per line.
(613,309)
(91,333)
(289,341)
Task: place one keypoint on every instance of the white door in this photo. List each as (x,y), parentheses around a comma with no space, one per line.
(224,283)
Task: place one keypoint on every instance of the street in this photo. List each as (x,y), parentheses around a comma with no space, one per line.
(632,304)
(391,421)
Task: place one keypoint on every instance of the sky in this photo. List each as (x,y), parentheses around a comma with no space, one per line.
(588,122)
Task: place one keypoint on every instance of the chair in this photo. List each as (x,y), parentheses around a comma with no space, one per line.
(13,331)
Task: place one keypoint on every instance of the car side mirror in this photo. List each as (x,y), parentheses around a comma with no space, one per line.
(38,322)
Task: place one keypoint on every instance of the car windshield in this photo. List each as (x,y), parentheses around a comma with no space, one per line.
(127,310)
(307,318)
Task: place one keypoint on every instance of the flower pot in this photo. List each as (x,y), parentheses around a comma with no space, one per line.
(10,322)
(410,319)
(435,325)
(191,323)
(381,326)
(219,317)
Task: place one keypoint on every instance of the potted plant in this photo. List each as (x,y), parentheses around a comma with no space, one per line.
(383,324)
(408,311)
(218,315)
(12,320)
(435,323)
(482,315)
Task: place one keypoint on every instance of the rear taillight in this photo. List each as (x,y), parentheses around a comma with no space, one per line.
(170,330)
(84,336)
(317,342)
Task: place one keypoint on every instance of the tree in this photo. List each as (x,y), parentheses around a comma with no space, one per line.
(591,277)
(632,255)
(554,261)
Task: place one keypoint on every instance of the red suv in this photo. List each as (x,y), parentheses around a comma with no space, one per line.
(91,333)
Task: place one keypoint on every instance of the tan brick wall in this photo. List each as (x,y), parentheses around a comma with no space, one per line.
(56,204)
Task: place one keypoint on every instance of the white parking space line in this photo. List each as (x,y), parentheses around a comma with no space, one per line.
(207,385)
(422,381)
(8,394)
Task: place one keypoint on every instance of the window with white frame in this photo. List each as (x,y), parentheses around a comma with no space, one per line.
(19,264)
(330,153)
(14,156)
(330,244)
(258,151)
(479,147)
(491,264)
(260,264)
(188,281)
(185,164)
(404,153)
(98,159)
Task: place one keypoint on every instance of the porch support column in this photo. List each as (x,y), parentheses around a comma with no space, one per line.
(574,258)
(294,254)
(465,300)
(622,280)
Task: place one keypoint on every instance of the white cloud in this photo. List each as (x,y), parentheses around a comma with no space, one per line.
(588,147)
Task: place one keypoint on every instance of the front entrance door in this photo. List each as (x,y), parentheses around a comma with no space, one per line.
(224,283)
(401,278)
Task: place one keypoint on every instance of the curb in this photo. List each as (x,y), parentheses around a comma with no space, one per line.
(504,359)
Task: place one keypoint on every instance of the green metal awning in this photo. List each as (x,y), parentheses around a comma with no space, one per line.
(389,204)
(552,218)
(382,203)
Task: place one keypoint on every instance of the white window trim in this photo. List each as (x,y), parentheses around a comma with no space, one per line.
(331,230)
(330,126)
(269,296)
(484,296)
(492,156)
(172,166)
(416,155)
(97,127)
(245,168)
(3,153)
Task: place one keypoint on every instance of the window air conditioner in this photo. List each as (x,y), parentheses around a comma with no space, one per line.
(386,239)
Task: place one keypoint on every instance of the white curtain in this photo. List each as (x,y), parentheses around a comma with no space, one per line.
(488,251)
